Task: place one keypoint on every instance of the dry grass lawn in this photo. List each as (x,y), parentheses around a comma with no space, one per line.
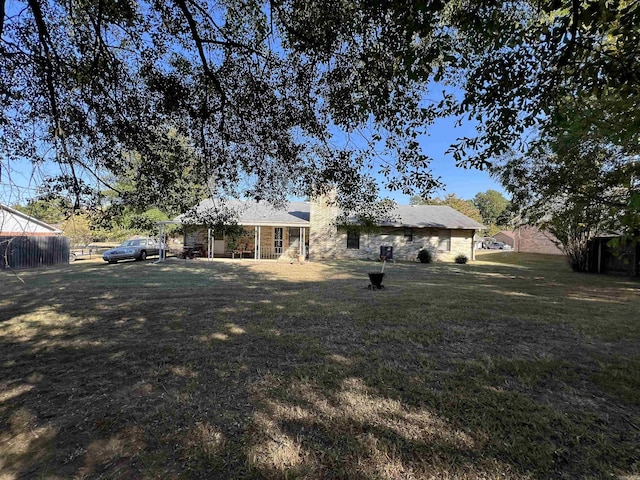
(510,367)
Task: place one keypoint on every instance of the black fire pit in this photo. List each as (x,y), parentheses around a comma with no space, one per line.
(376,280)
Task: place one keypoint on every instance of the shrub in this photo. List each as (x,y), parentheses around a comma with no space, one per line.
(462,259)
(425,256)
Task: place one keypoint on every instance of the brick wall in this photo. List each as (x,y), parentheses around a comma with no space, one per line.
(461,243)
(323,233)
(505,237)
(534,240)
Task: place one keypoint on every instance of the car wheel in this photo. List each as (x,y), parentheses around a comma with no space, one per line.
(143,255)
(72,257)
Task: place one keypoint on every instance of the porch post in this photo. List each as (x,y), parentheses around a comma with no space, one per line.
(259,244)
(599,257)
(162,255)
(161,247)
(301,246)
(255,242)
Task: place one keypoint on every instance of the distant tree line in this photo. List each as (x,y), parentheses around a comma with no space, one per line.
(490,208)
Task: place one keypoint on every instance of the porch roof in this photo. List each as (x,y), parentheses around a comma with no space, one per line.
(252,213)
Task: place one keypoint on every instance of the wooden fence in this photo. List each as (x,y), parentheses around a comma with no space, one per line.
(617,260)
(32,252)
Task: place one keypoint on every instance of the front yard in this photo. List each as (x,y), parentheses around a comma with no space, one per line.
(510,367)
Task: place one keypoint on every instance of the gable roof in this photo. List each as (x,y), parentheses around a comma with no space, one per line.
(14,222)
(297,214)
(507,233)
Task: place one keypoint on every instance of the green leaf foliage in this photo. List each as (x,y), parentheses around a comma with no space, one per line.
(577,182)
(264,99)
(492,206)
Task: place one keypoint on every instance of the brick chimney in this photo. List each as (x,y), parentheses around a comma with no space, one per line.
(323,231)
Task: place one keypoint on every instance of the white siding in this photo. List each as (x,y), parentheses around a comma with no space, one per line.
(15,223)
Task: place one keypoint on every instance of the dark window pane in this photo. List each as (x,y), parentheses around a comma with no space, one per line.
(353,240)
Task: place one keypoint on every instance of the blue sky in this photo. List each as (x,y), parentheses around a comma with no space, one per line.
(465,183)
(19,181)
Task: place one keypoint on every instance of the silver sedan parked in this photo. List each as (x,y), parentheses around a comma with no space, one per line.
(137,249)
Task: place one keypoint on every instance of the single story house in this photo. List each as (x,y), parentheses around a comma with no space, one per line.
(270,233)
(310,230)
(14,223)
(506,237)
(26,242)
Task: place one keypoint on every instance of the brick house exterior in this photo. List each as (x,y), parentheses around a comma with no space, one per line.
(269,233)
(446,232)
(310,229)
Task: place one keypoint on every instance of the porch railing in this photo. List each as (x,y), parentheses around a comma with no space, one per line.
(271,253)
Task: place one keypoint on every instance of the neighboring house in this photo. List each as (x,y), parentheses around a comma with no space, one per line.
(530,239)
(15,223)
(310,229)
(26,242)
(508,238)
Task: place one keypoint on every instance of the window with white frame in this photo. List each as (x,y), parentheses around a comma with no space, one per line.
(408,234)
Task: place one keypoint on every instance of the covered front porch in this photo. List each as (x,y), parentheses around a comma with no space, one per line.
(259,242)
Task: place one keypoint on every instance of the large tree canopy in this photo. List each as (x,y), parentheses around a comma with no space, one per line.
(294,95)
(492,206)
(577,183)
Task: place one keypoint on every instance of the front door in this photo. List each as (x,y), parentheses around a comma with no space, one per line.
(277,240)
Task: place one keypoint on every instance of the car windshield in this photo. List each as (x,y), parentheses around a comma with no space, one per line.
(132,243)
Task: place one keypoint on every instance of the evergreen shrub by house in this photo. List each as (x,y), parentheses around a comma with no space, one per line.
(462,259)
(425,256)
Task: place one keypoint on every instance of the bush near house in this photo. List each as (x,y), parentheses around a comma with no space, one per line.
(425,255)
(462,259)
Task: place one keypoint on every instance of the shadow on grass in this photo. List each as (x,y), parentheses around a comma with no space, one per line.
(265,370)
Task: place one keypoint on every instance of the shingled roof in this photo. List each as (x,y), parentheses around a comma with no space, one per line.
(251,212)
(298,213)
(430,216)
